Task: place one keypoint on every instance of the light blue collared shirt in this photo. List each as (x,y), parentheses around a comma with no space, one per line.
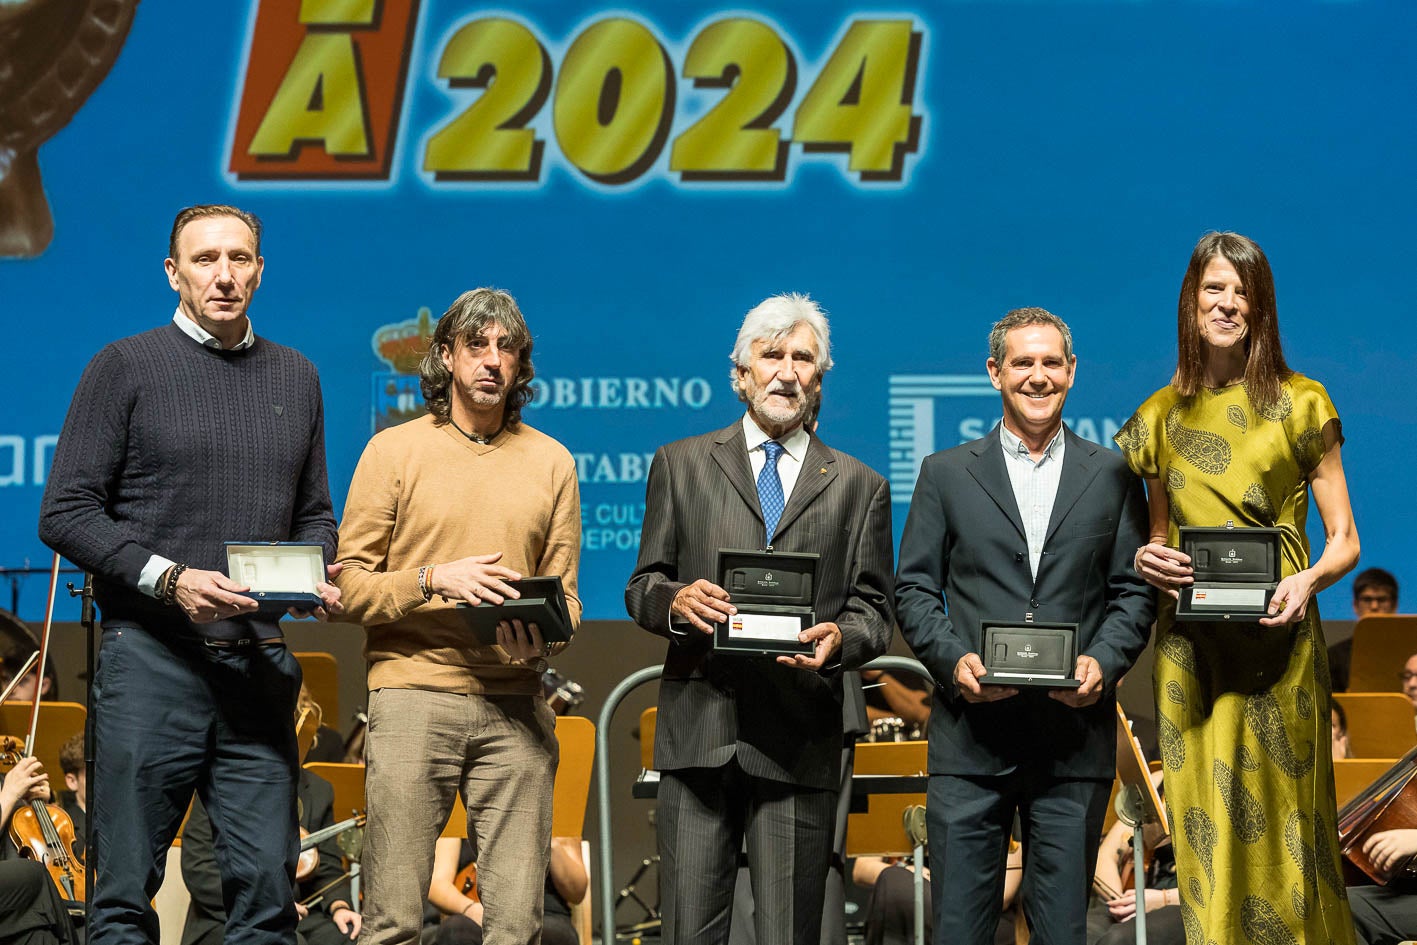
(1035,487)
(203,337)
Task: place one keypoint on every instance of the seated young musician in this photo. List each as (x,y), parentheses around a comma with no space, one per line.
(31,910)
(1111,913)
(462,914)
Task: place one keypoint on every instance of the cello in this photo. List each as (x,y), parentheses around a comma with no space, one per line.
(1389,803)
(41,831)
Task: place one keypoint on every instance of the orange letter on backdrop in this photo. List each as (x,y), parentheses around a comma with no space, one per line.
(324,88)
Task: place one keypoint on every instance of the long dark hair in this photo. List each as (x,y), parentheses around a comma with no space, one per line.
(466,319)
(1265,367)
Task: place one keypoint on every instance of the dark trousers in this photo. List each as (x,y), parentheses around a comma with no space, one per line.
(705,814)
(1384,915)
(969,820)
(556,929)
(744,929)
(1163,926)
(176,716)
(31,909)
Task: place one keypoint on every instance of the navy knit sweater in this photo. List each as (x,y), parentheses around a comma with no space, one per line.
(173,448)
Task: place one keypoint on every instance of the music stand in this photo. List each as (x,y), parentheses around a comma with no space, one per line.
(1138,804)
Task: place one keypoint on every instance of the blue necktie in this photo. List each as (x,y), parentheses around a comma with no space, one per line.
(770,488)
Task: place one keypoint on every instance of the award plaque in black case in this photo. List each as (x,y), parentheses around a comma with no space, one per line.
(1019,653)
(542,602)
(280,574)
(1236,572)
(773,592)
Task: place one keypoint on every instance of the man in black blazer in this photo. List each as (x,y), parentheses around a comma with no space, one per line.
(1028,523)
(750,745)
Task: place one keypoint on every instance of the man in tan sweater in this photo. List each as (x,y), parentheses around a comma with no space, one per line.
(446,509)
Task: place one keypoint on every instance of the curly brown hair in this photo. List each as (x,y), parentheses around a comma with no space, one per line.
(466,319)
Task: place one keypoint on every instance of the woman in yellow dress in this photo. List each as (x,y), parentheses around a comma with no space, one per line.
(1242,708)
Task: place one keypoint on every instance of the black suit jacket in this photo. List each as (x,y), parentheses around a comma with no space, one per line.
(964,539)
(781,723)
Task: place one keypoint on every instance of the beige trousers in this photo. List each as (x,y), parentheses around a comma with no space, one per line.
(500,754)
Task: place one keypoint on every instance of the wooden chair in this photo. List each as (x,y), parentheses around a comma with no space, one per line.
(348,782)
(58,722)
(322,679)
(1352,775)
(1380,724)
(648,718)
(879,831)
(1381,645)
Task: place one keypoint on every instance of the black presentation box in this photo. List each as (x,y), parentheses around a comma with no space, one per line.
(280,574)
(1039,655)
(773,591)
(543,602)
(1236,572)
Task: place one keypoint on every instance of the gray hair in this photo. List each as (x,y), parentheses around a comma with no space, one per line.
(1021,318)
(775,318)
(466,319)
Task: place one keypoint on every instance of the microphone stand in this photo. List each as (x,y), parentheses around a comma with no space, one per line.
(86,618)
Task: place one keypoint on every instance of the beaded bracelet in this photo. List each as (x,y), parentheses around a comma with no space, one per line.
(424,586)
(169,584)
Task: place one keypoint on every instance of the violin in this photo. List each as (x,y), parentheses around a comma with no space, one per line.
(466,882)
(1389,803)
(44,832)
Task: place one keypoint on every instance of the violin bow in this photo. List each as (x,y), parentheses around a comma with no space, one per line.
(43,654)
(24,671)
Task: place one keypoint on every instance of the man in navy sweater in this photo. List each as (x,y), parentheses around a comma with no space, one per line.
(177,440)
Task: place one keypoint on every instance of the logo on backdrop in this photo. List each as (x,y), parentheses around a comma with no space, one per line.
(401,346)
(324,89)
(930,412)
(55,55)
(398,398)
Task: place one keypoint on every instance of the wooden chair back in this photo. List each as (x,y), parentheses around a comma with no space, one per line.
(1381,645)
(1380,724)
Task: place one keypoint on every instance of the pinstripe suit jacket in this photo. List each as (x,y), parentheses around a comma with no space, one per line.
(781,723)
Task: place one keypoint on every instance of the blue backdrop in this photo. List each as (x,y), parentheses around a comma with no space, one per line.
(1066,155)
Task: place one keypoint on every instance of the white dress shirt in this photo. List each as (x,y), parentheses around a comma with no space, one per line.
(789,464)
(1035,487)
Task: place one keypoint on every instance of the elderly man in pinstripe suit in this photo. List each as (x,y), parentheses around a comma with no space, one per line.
(749,746)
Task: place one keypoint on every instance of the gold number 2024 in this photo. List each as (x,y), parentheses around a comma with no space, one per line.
(615,101)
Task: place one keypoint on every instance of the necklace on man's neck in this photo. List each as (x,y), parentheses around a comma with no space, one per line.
(475,437)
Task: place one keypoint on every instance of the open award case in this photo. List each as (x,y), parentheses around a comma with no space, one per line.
(773,592)
(1236,572)
(1030,655)
(280,574)
(542,602)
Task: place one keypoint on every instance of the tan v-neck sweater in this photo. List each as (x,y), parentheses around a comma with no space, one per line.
(425,494)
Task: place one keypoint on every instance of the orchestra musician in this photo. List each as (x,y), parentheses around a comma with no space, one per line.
(1386,915)
(453,892)
(31,910)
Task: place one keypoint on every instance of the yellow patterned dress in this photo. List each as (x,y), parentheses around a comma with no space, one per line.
(1242,711)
